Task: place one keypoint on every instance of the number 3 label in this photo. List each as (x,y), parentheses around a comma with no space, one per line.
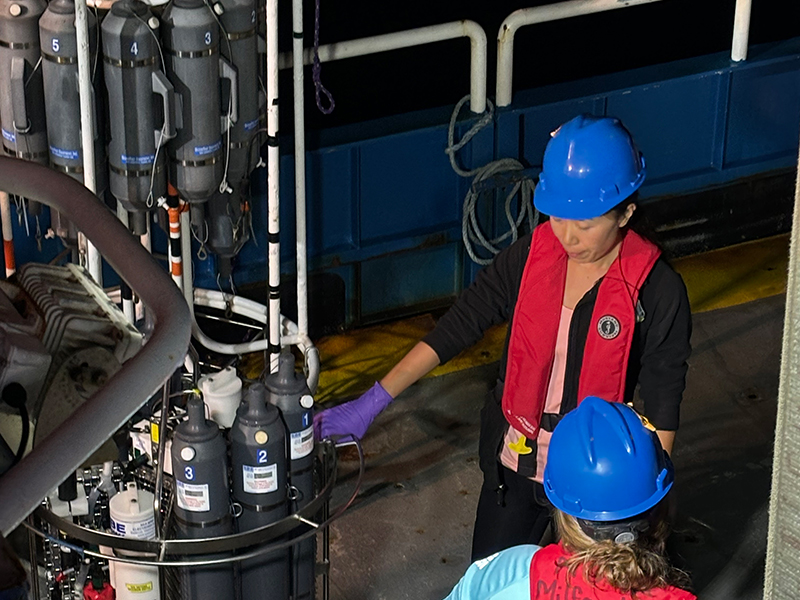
(189,472)
(207,38)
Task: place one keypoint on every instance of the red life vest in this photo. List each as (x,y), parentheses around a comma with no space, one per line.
(551,581)
(532,343)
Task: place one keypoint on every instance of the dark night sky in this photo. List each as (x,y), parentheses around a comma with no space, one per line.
(405,80)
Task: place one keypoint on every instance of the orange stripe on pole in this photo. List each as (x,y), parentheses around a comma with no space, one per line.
(8,250)
(177,269)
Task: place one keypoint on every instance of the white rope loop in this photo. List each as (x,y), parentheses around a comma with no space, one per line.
(471,232)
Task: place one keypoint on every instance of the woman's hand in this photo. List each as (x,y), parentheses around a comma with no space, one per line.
(352,418)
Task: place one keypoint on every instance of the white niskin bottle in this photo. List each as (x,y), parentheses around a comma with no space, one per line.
(132,516)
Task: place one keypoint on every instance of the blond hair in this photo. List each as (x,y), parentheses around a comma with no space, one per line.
(631,567)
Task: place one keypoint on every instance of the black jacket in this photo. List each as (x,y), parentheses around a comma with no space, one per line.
(659,350)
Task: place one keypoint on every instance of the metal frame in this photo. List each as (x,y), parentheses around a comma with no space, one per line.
(25,485)
(574,8)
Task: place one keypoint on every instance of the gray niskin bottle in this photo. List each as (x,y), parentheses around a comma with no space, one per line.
(258,454)
(138,134)
(191,42)
(202,500)
(289,392)
(22,114)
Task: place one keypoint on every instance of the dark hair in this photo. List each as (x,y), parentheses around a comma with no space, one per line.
(639,221)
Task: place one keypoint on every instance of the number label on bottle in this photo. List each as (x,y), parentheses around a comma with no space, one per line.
(56,45)
(253,17)
(207,38)
(135,48)
(261,456)
(189,472)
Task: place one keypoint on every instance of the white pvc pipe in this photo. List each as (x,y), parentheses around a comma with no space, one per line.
(741,30)
(188,267)
(147,244)
(186,252)
(127,303)
(273,190)
(8,234)
(415,37)
(257,312)
(300,166)
(541,14)
(94,261)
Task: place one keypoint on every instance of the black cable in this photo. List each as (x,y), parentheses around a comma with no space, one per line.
(26,430)
(15,395)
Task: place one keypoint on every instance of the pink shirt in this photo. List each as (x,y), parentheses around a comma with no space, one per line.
(555,390)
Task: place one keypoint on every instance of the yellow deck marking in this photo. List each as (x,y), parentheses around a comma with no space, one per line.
(353,361)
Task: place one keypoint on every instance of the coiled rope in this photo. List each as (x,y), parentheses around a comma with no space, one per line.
(486,182)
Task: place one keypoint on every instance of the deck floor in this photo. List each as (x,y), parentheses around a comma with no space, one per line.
(408,534)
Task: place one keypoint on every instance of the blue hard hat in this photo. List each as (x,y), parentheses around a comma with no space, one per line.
(604,464)
(590,165)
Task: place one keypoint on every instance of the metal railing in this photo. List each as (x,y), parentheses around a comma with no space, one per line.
(26,484)
(574,8)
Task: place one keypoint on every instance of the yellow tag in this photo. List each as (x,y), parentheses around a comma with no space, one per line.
(520,447)
(138,588)
(154,432)
(647,424)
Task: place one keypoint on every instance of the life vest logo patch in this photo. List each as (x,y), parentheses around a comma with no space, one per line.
(608,327)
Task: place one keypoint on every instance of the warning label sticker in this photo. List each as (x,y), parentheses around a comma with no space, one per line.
(193,497)
(260,480)
(302,443)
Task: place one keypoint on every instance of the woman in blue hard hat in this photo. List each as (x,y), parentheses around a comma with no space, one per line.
(607,476)
(593,310)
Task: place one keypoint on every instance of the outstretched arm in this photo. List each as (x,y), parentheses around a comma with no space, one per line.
(419,361)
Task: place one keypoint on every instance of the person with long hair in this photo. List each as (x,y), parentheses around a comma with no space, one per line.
(593,309)
(608,477)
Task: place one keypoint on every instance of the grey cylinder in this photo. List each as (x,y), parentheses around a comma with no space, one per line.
(241,50)
(191,45)
(227,217)
(59,45)
(139,128)
(289,392)
(22,113)
(228,220)
(202,503)
(258,455)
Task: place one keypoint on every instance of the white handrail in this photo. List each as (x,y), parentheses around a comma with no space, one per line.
(541,14)
(407,39)
(741,30)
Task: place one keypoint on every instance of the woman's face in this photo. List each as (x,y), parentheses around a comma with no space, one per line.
(590,240)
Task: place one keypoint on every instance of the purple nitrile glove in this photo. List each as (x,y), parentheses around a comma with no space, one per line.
(352,418)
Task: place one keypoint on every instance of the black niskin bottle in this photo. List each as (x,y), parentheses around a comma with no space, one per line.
(258,455)
(289,392)
(202,500)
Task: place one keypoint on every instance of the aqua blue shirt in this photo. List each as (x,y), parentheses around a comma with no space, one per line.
(502,576)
